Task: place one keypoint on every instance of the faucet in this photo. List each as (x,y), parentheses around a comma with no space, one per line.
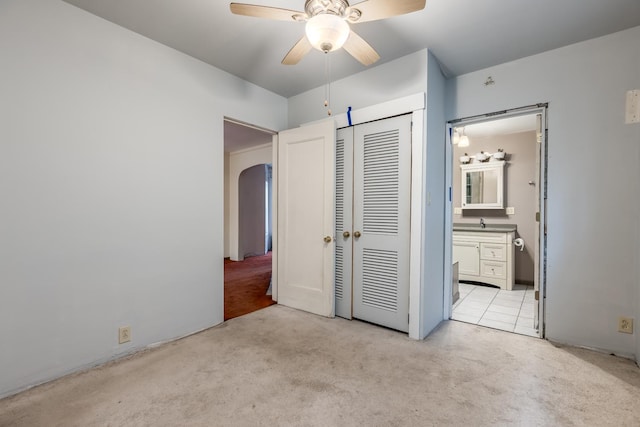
(482,224)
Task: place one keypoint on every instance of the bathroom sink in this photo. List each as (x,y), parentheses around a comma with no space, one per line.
(489,227)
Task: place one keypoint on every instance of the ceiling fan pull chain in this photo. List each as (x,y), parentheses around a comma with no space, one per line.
(327,88)
(326,80)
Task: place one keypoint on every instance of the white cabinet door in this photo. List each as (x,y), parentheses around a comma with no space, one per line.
(381,222)
(344,221)
(467,255)
(306,159)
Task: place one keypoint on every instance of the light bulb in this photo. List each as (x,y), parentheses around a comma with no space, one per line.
(456,137)
(464,141)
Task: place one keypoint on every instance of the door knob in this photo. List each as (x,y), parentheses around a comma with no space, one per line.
(357,234)
(346,234)
(327,239)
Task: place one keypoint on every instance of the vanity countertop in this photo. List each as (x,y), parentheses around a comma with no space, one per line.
(493,228)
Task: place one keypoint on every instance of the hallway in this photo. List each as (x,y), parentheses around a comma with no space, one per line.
(246,284)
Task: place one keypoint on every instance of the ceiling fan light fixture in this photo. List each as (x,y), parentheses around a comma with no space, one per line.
(327,32)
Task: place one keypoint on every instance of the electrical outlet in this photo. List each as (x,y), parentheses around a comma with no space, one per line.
(124,334)
(457,211)
(511,211)
(625,324)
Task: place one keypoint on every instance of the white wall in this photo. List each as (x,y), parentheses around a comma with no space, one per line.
(594,201)
(395,79)
(239,161)
(433,268)
(111,189)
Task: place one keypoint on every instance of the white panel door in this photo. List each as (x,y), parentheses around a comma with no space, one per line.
(306,177)
(344,221)
(381,222)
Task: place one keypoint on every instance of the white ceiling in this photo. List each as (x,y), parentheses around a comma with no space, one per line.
(504,126)
(238,136)
(465,35)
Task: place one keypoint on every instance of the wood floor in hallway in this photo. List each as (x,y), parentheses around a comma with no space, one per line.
(245,285)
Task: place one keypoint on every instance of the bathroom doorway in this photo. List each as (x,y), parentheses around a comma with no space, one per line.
(496,224)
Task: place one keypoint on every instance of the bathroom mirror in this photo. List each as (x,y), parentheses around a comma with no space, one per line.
(483,186)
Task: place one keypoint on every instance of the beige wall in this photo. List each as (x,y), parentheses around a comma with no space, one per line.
(226,205)
(252,208)
(519,170)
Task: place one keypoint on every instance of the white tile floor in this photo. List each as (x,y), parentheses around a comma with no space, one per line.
(505,310)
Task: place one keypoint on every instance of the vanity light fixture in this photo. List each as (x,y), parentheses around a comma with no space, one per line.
(455,139)
(464,140)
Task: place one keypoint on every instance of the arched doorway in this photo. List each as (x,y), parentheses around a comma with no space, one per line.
(254,211)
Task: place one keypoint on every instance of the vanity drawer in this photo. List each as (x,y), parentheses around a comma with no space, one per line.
(493,252)
(493,269)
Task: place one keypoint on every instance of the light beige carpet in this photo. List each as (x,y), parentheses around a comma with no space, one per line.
(282,367)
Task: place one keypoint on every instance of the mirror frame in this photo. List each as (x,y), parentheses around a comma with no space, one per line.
(475,167)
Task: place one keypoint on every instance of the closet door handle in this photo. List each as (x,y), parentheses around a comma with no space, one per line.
(327,239)
(357,234)
(346,234)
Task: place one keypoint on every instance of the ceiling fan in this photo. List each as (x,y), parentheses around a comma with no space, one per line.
(327,27)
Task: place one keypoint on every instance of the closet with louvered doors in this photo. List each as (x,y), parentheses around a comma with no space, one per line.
(373,185)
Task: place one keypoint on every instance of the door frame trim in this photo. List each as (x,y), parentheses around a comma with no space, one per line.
(413,104)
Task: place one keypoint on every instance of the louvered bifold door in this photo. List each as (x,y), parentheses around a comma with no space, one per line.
(344,219)
(381,222)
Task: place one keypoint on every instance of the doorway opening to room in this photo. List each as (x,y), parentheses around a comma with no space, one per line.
(248,218)
(497,224)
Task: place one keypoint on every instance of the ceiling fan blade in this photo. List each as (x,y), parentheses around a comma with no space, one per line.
(267,12)
(360,49)
(372,10)
(297,52)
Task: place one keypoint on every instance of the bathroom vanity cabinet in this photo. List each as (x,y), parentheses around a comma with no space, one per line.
(486,255)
